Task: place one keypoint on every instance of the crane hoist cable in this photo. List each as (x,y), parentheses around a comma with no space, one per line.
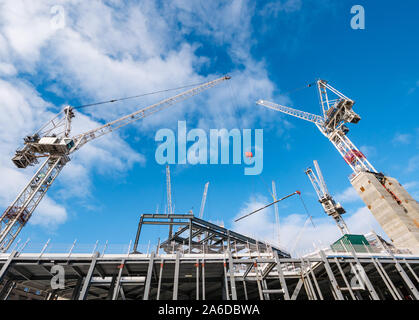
(309,85)
(136,96)
(308,214)
(268,205)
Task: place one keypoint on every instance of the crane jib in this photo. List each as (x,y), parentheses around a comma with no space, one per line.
(54,142)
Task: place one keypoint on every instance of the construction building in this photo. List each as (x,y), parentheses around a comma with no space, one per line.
(203,261)
(392,206)
(395,210)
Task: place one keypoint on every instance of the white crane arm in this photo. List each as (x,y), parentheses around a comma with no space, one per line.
(320,177)
(83,138)
(315,182)
(204,199)
(318,120)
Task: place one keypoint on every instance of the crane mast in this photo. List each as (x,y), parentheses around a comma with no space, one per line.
(53,142)
(276,210)
(392,206)
(331,208)
(204,199)
(336,113)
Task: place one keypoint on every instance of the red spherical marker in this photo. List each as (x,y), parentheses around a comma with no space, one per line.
(248,154)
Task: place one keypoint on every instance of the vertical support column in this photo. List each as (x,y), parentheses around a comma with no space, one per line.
(265,290)
(411,270)
(197,278)
(118,281)
(297,289)
(255,267)
(406,279)
(309,287)
(137,236)
(52,295)
(344,279)
(387,281)
(190,235)
(111,288)
(76,289)
(281,276)
(225,289)
(6,266)
(365,278)
(5,288)
(331,276)
(232,280)
(203,279)
(88,278)
(176,276)
(315,280)
(160,276)
(245,290)
(149,276)
(9,291)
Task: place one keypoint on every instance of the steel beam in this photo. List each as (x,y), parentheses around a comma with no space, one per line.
(160,276)
(111,287)
(149,276)
(76,290)
(232,280)
(365,279)
(227,294)
(348,285)
(407,280)
(386,279)
(176,277)
(411,270)
(315,280)
(197,279)
(117,287)
(331,276)
(203,279)
(297,289)
(6,265)
(281,276)
(88,278)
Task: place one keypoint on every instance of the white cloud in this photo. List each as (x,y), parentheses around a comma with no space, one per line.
(368,151)
(7,69)
(348,195)
(400,138)
(273,8)
(410,185)
(297,233)
(107,50)
(413,164)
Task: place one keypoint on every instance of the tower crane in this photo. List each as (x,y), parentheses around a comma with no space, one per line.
(332,208)
(276,210)
(169,198)
(336,113)
(54,142)
(392,206)
(204,199)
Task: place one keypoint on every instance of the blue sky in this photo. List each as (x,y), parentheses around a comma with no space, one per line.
(113,49)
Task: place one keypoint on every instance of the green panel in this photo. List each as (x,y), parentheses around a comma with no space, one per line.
(358,242)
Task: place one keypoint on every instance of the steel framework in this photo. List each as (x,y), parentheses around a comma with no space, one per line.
(240,269)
